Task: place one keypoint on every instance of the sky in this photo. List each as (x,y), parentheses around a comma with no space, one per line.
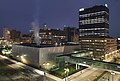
(19,14)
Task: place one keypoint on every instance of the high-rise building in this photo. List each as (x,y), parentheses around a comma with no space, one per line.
(94,31)
(6,33)
(94,21)
(72,34)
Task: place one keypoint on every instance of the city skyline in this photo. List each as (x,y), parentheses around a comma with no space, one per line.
(59,40)
(20,14)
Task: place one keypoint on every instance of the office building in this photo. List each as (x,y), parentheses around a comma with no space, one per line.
(26,38)
(99,46)
(94,21)
(94,31)
(52,36)
(72,34)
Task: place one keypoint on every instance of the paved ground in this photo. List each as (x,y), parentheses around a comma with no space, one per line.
(94,74)
(10,71)
(15,71)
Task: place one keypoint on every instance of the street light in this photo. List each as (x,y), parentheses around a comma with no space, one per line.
(44,64)
(66,73)
(45,67)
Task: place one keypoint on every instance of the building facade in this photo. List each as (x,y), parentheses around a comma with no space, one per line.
(39,55)
(94,31)
(72,34)
(118,43)
(26,38)
(94,21)
(6,33)
(52,36)
(15,35)
(100,46)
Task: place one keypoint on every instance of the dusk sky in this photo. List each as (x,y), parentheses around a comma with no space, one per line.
(19,14)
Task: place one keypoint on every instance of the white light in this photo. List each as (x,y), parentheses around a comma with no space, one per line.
(118,38)
(17,56)
(18,63)
(48,64)
(82,9)
(43,64)
(21,42)
(24,55)
(66,70)
(113,73)
(21,57)
(4,57)
(39,72)
(118,66)
(106,5)
(75,51)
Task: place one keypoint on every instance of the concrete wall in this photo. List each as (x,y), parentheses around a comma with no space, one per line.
(28,55)
(48,54)
(39,56)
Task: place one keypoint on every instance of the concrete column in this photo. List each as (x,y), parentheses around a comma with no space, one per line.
(76,67)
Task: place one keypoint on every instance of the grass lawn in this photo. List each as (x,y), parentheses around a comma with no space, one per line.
(61,72)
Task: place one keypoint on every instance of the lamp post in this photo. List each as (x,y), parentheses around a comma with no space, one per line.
(112,73)
(45,67)
(66,73)
(44,64)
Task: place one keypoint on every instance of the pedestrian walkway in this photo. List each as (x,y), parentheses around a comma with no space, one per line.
(78,73)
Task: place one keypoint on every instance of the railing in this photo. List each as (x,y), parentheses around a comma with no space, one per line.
(90,62)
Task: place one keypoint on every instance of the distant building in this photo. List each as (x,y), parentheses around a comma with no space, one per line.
(45,27)
(26,38)
(94,31)
(6,33)
(15,35)
(72,34)
(5,43)
(52,36)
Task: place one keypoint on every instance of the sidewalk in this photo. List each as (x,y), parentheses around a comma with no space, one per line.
(78,73)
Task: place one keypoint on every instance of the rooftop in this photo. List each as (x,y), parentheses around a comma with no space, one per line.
(45,45)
